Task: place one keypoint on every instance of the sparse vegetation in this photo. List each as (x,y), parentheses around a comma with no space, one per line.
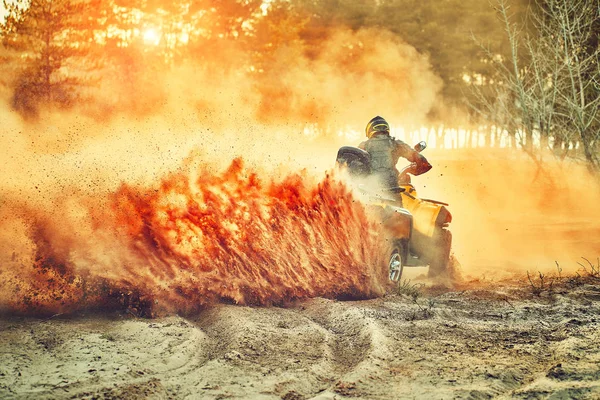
(538,287)
(407,288)
(559,269)
(414,291)
(548,283)
(591,270)
(108,336)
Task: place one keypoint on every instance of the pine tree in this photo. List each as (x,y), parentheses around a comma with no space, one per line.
(49,37)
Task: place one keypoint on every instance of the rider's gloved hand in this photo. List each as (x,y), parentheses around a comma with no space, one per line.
(420,165)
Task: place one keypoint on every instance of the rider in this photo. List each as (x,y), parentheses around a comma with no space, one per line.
(385,152)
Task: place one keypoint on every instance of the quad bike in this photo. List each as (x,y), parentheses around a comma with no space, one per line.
(417,228)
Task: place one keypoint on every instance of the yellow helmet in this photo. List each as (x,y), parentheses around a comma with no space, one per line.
(377,124)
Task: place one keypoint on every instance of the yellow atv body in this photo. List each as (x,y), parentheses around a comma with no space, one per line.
(431,240)
(427,214)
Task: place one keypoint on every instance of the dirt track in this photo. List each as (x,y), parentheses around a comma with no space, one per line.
(487,343)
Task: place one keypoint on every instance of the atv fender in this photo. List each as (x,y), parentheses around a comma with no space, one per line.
(427,215)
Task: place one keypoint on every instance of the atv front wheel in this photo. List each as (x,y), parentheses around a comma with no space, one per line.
(396,262)
(440,253)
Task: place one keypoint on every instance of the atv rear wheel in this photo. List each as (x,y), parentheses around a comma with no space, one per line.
(440,253)
(396,262)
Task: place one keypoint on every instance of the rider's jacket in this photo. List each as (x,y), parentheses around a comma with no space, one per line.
(385,152)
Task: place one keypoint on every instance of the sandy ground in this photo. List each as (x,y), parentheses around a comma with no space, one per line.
(491,341)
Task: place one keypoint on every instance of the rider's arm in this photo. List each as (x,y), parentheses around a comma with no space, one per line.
(421,165)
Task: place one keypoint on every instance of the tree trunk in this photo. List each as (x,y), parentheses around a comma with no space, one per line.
(528,145)
(589,154)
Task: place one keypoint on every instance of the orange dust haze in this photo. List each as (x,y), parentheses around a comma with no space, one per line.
(137,195)
(124,196)
(510,216)
(194,239)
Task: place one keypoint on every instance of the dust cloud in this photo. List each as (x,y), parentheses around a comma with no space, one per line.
(140,130)
(511,217)
(136,197)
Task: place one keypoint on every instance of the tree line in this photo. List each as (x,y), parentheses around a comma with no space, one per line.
(546,88)
(55,50)
(528,67)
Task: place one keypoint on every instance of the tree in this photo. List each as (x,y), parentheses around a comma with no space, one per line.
(220,27)
(47,36)
(575,26)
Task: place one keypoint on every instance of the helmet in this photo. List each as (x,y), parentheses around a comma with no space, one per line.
(375,125)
